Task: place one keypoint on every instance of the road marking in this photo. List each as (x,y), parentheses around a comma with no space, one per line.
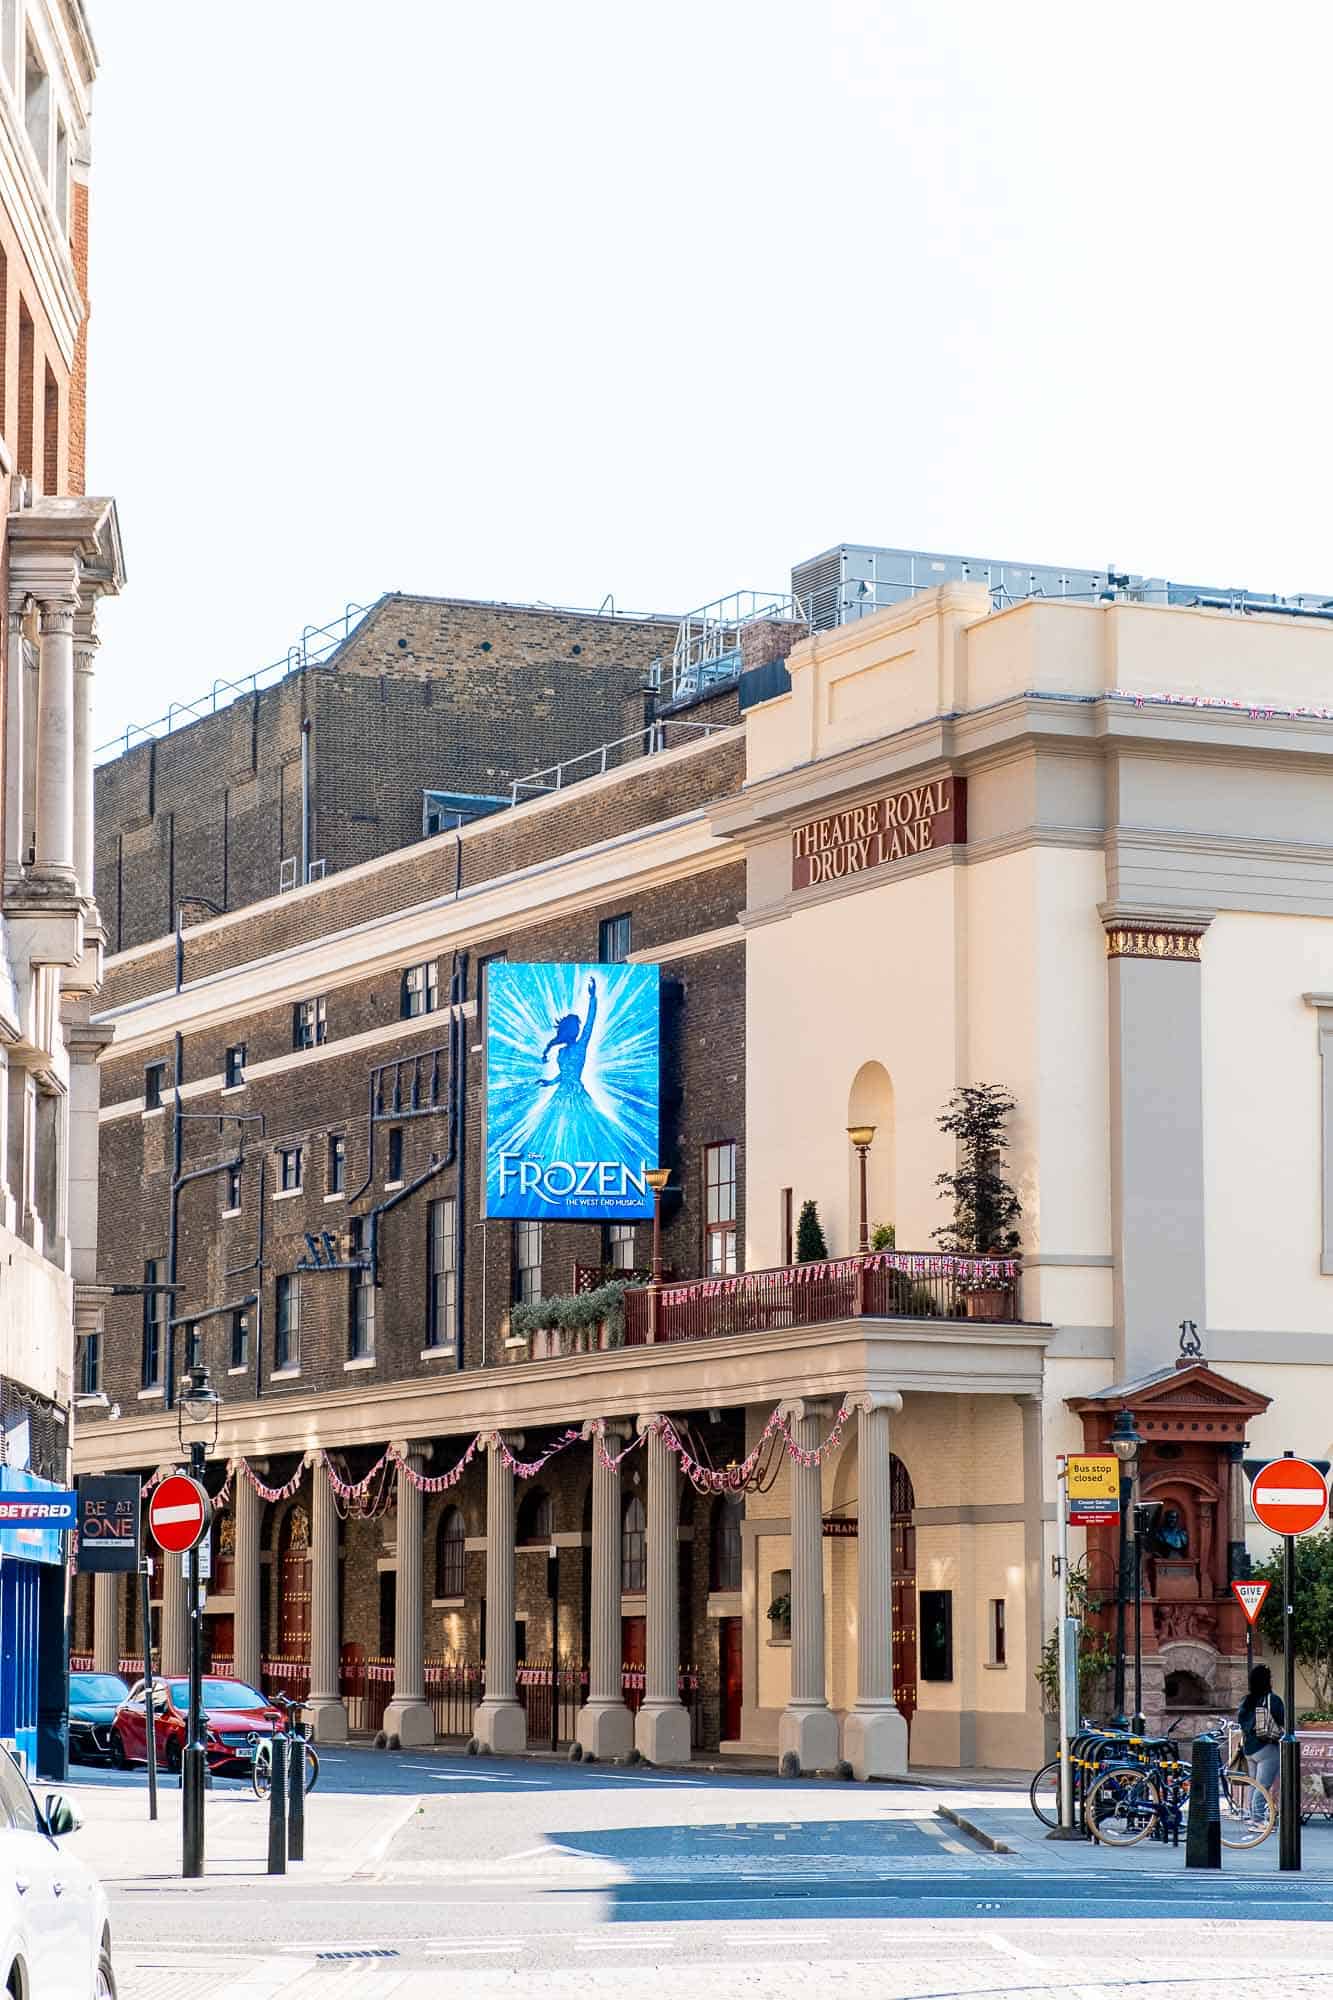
(625,1944)
(461,1950)
(1012,1950)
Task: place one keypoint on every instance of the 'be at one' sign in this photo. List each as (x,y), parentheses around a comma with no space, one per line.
(1093,1488)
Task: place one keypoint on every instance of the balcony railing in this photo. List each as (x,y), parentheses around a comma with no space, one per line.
(887,1284)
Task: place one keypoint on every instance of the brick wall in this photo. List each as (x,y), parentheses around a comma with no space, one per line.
(702,1104)
(425,693)
(78,381)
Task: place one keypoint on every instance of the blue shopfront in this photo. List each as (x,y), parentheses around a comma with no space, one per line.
(33,1652)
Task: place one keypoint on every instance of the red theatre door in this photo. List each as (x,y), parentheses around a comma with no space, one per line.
(294,1585)
(904,1590)
(729,1650)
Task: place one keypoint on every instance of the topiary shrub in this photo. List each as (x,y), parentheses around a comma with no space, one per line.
(810,1245)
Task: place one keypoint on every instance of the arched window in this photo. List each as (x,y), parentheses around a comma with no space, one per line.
(534,1517)
(725,1544)
(634,1548)
(450,1551)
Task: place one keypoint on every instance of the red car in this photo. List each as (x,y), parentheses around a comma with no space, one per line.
(233,1714)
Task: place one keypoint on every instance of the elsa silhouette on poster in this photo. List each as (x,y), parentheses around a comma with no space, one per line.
(572,1079)
(571,1046)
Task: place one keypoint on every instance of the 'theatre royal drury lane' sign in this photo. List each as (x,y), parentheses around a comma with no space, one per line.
(861,837)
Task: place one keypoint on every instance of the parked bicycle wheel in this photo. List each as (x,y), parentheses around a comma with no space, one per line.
(1122,1807)
(1044,1793)
(311,1763)
(261,1771)
(1247,1811)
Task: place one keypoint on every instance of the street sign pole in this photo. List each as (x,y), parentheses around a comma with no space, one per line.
(1066,1767)
(1289,1807)
(194,1761)
(146,1615)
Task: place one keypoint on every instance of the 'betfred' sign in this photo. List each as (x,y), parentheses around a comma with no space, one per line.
(860,837)
(1093,1487)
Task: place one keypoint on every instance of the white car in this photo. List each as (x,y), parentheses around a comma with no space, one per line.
(55,1934)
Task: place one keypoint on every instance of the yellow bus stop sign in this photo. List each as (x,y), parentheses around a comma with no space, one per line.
(1093,1488)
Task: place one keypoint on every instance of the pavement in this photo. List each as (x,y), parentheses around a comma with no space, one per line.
(430,1873)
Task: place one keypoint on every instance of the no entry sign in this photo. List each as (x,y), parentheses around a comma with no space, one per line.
(1250,1595)
(1289,1496)
(178,1514)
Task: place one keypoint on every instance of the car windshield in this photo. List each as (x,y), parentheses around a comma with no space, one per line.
(97,1687)
(218,1694)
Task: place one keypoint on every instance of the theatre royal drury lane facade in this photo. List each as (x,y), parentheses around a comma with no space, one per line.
(1075,849)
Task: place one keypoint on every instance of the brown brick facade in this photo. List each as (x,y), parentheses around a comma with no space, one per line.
(426,693)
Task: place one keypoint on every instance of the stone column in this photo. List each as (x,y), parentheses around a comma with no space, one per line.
(85,646)
(16,773)
(500,1723)
(808,1728)
(247,1508)
(327,1712)
(1155,1027)
(875,1733)
(175,1648)
(605,1726)
(408,1716)
(106,1621)
(1034,1570)
(54,854)
(662,1728)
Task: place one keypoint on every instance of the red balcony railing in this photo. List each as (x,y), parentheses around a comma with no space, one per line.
(886,1284)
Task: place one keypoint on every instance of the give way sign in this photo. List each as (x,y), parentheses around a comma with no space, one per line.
(1289,1496)
(1250,1595)
(178,1514)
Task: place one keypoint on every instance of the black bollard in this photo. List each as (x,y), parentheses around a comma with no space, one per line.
(1203,1831)
(277,1807)
(296,1796)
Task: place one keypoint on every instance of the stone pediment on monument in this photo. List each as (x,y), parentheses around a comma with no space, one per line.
(1190,1400)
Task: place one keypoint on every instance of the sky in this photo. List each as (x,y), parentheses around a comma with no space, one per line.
(549,303)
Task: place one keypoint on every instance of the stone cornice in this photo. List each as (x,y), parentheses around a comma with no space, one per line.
(883,1358)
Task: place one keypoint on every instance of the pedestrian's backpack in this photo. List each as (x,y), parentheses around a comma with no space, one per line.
(1266,1726)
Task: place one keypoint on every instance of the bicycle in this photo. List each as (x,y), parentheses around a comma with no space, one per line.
(1044,1791)
(1125,1805)
(261,1771)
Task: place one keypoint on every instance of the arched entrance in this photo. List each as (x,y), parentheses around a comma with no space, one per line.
(903,1503)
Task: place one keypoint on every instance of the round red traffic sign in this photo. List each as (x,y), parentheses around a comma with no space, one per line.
(178,1513)
(1289,1496)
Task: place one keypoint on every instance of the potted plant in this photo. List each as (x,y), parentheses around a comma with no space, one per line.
(810,1245)
(985,1206)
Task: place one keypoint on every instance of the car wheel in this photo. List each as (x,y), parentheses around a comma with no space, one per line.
(119,1760)
(105,1987)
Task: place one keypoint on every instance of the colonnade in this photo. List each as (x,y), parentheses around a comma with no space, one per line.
(874,1734)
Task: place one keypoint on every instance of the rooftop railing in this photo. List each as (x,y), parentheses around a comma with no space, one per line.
(886,1284)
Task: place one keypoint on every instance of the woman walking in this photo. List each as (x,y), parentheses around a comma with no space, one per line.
(1262,1719)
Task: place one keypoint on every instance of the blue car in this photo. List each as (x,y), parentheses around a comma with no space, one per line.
(93,1701)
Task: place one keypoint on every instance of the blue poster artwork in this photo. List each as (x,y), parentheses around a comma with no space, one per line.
(572,1070)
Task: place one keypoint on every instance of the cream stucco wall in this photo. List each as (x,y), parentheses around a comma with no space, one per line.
(1262,1166)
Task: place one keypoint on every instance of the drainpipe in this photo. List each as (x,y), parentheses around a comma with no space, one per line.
(305,799)
(451,1151)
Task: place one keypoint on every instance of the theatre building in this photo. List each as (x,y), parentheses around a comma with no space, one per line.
(480,1475)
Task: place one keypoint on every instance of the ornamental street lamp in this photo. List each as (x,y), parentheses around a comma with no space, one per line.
(198,1407)
(863,1137)
(657,1179)
(1125,1442)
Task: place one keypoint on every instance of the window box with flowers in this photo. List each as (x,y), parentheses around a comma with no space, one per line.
(583,1323)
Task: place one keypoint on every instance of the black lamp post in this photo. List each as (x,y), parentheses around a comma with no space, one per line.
(1125,1442)
(863,1137)
(196,1408)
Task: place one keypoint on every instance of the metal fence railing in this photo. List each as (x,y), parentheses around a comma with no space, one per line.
(884,1284)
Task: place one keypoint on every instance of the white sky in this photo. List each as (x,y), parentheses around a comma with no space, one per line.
(531,301)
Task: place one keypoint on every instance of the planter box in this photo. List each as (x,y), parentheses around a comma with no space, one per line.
(987,1302)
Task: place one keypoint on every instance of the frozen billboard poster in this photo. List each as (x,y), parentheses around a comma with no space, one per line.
(572,1072)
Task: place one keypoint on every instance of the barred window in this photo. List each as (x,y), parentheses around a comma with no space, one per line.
(441,1271)
(154,1084)
(613,940)
(634,1547)
(337,1168)
(528,1261)
(450,1554)
(289,1169)
(235,1071)
(725,1553)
